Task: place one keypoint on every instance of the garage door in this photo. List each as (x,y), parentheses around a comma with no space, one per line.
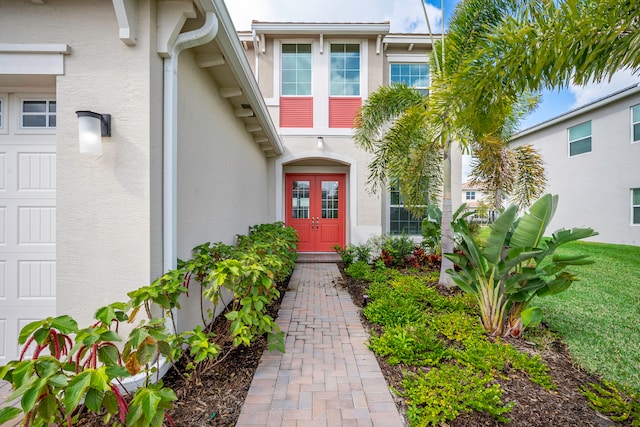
(27,215)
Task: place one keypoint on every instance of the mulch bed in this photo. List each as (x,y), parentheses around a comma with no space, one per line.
(217,398)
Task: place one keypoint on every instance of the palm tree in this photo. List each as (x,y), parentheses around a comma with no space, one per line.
(502,171)
(410,135)
(553,44)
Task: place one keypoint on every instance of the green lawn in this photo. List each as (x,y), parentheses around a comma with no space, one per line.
(599,316)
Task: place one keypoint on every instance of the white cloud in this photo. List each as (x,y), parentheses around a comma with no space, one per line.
(405,16)
(592,91)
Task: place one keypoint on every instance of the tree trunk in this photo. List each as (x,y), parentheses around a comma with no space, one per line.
(447,216)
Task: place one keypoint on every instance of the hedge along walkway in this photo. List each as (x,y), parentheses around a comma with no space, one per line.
(327,376)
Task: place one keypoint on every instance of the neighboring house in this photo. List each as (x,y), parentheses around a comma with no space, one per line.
(315,77)
(592,158)
(195,152)
(472,195)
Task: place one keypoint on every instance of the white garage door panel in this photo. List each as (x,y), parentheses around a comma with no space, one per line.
(27,235)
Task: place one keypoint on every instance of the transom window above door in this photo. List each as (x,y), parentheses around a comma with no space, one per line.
(37,114)
(296,69)
(345,69)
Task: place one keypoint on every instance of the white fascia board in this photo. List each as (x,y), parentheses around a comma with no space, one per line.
(35,48)
(234,54)
(409,39)
(320,28)
(37,59)
(598,103)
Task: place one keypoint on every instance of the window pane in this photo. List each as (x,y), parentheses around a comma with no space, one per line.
(329,199)
(636,215)
(579,147)
(289,89)
(52,121)
(636,132)
(52,106)
(300,200)
(636,197)
(34,121)
(303,76)
(34,106)
(582,130)
(288,76)
(636,113)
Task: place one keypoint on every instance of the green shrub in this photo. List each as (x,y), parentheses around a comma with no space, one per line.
(359,270)
(414,345)
(446,392)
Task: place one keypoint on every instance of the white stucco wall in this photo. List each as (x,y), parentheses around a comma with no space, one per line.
(104,227)
(222,187)
(594,188)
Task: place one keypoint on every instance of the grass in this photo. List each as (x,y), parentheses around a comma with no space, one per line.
(598,316)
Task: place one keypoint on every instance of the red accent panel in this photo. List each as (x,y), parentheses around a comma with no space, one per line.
(296,112)
(342,111)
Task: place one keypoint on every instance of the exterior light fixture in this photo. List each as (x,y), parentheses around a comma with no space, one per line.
(91,128)
(320,143)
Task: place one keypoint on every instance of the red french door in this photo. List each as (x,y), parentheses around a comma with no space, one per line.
(315,207)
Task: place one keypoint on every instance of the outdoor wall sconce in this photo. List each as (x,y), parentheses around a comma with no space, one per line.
(320,143)
(91,128)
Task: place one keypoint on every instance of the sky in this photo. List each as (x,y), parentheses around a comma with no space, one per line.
(407,16)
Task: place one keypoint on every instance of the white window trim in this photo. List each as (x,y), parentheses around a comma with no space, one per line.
(633,123)
(569,139)
(4,113)
(364,60)
(17,117)
(632,207)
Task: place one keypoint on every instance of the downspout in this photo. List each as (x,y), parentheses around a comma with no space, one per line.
(187,40)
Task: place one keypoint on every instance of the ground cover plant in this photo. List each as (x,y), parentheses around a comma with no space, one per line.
(75,371)
(446,369)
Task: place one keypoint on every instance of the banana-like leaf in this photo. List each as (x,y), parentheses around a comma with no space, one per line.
(560,284)
(565,260)
(532,225)
(531,316)
(499,231)
(562,236)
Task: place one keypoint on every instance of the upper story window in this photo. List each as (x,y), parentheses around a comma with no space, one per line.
(345,70)
(635,206)
(38,114)
(580,139)
(470,195)
(296,69)
(635,123)
(411,74)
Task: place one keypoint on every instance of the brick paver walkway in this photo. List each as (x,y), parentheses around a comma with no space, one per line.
(327,376)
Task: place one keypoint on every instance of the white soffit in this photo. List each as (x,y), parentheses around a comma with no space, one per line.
(42,58)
